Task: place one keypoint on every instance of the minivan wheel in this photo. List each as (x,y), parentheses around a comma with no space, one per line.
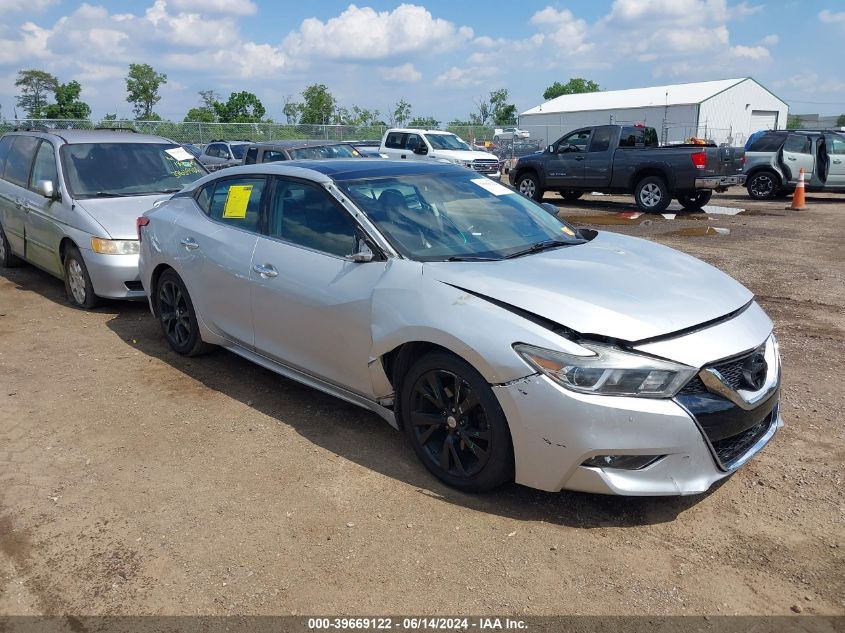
(529,187)
(455,424)
(7,258)
(78,286)
(652,195)
(763,186)
(176,315)
(695,200)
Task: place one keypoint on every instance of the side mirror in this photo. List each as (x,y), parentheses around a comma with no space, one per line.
(363,254)
(550,149)
(552,209)
(47,189)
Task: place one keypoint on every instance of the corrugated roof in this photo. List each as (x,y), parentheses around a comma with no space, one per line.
(674,94)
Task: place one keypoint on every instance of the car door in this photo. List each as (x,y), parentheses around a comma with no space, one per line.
(16,174)
(566,164)
(598,160)
(311,305)
(42,216)
(214,155)
(797,152)
(7,189)
(835,151)
(394,144)
(214,249)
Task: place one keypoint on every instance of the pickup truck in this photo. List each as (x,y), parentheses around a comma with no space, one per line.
(415,144)
(628,159)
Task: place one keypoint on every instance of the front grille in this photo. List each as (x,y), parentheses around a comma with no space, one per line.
(731,371)
(485,166)
(732,448)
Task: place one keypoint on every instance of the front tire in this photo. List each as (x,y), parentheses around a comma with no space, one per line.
(764,185)
(652,195)
(695,200)
(455,424)
(529,186)
(78,286)
(571,194)
(177,317)
(7,258)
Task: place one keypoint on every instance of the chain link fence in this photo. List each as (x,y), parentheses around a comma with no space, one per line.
(199,133)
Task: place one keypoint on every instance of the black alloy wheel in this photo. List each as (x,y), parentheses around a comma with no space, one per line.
(177,317)
(455,424)
(763,186)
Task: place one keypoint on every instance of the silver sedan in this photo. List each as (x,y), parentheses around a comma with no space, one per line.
(505,343)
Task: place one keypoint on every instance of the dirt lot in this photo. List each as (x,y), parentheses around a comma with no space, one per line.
(136,481)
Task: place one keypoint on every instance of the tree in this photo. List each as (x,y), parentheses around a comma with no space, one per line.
(399,113)
(35,85)
(68,105)
(110,117)
(840,122)
(503,113)
(426,122)
(142,85)
(793,122)
(364,116)
(482,115)
(242,107)
(576,85)
(318,105)
(201,115)
(292,110)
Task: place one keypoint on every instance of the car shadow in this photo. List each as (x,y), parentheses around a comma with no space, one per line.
(354,433)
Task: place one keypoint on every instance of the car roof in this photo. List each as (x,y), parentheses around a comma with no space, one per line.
(301,143)
(99,136)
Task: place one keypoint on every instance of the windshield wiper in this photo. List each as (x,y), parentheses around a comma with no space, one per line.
(539,246)
(471,258)
(174,190)
(106,194)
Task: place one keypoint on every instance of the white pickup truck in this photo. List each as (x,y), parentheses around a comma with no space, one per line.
(415,144)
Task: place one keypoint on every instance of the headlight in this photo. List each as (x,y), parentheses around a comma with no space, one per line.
(610,371)
(115,247)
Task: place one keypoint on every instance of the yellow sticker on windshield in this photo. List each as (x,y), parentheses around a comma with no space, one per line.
(237,200)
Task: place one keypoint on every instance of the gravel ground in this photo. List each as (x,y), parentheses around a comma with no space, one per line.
(135,481)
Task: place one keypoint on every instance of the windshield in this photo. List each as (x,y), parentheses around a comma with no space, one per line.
(325,151)
(446,141)
(456,216)
(127,169)
(238,151)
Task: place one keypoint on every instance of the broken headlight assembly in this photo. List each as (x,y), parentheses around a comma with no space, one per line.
(609,371)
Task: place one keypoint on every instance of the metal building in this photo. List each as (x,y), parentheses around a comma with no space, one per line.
(725,111)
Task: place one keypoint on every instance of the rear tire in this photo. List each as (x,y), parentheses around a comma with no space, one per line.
(455,424)
(7,258)
(529,186)
(571,194)
(177,317)
(78,286)
(695,200)
(652,195)
(764,185)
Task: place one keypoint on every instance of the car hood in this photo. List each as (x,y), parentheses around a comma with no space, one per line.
(117,215)
(615,286)
(461,154)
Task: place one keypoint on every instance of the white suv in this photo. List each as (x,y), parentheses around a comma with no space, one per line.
(434,144)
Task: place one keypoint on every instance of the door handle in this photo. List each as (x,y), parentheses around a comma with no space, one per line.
(791,158)
(266,270)
(579,158)
(189,243)
(837,161)
(404,156)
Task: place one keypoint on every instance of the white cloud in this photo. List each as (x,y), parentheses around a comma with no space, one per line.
(406,73)
(30,44)
(466,77)
(28,6)
(563,29)
(364,34)
(770,40)
(811,83)
(232,7)
(750,52)
(828,17)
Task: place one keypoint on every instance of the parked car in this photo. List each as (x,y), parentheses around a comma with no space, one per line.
(220,154)
(416,144)
(507,344)
(293,150)
(193,149)
(368,149)
(628,159)
(774,160)
(69,200)
(509,134)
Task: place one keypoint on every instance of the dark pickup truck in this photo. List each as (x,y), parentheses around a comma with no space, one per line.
(628,159)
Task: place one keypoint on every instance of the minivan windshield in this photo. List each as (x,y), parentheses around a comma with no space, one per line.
(457,216)
(324,151)
(239,151)
(127,169)
(446,141)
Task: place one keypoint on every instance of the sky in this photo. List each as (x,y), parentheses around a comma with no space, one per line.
(440,56)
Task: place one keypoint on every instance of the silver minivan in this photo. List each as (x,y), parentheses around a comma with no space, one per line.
(69,200)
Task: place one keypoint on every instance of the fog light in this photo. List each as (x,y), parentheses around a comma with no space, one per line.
(622,462)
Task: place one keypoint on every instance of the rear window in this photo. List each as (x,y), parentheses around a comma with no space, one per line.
(767,143)
(19,160)
(238,151)
(798,144)
(632,136)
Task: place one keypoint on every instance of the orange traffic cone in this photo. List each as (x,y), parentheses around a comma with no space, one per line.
(798,197)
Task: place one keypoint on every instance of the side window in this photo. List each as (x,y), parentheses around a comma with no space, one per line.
(234,201)
(273,156)
(798,144)
(251,156)
(211,150)
(767,143)
(19,160)
(601,140)
(395,140)
(223,151)
(305,215)
(578,139)
(835,144)
(5,146)
(412,142)
(44,167)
